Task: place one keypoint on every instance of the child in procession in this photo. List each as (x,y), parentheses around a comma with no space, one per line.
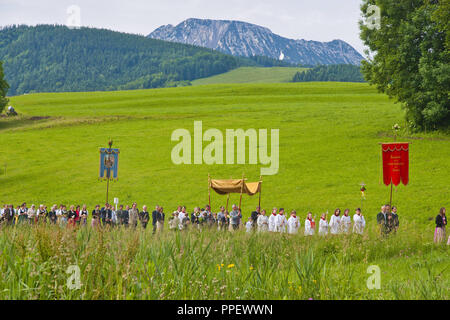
(359,222)
(335,222)
(323,225)
(309,225)
(281,221)
(293,223)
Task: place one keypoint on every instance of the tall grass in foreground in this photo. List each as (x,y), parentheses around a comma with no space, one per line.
(207,264)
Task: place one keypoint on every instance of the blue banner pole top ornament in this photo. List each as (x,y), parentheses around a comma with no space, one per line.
(109,163)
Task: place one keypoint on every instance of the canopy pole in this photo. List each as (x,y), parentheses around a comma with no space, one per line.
(228,198)
(209,191)
(242,189)
(390,201)
(260,187)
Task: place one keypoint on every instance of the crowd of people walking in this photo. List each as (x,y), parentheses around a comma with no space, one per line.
(277,221)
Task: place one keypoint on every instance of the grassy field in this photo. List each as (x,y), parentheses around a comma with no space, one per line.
(329,135)
(124,264)
(251,75)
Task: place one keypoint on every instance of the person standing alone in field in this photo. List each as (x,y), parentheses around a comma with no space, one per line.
(441,222)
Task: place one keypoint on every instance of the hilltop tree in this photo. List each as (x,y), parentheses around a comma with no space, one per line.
(410,57)
(4,86)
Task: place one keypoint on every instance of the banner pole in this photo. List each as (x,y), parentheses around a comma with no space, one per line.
(209,191)
(260,187)
(107,188)
(242,189)
(390,201)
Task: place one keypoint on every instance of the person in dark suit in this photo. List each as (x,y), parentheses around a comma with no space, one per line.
(441,223)
(254,215)
(106,215)
(144,216)
(396,222)
(382,220)
(96,214)
(120,215)
(160,219)
(155,215)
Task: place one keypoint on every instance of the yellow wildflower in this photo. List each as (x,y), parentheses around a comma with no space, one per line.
(231,266)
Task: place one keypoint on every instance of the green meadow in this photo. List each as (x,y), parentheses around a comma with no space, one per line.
(328,144)
(251,75)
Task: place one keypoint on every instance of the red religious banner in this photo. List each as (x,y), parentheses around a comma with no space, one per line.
(395,163)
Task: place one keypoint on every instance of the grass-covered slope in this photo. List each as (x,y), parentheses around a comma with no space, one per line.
(252,75)
(329,135)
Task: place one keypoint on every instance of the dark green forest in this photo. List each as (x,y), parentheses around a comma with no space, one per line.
(339,72)
(50,58)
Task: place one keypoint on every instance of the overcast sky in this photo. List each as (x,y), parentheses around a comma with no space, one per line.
(321,20)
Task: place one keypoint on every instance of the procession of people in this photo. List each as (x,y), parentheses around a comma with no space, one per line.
(278,221)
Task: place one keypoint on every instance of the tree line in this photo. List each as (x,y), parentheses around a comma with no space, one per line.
(52,58)
(340,72)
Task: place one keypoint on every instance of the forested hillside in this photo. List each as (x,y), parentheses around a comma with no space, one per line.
(50,58)
(340,72)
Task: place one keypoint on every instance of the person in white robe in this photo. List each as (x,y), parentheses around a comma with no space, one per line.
(309,225)
(335,222)
(273,220)
(281,222)
(262,222)
(358,222)
(249,225)
(323,225)
(293,223)
(181,216)
(346,222)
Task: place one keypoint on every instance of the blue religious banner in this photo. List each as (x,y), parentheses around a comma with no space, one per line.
(109,164)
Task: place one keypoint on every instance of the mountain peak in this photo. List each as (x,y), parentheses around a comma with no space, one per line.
(241,38)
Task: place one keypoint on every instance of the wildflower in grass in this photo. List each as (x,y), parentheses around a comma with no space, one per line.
(220,266)
(251,268)
(230,266)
